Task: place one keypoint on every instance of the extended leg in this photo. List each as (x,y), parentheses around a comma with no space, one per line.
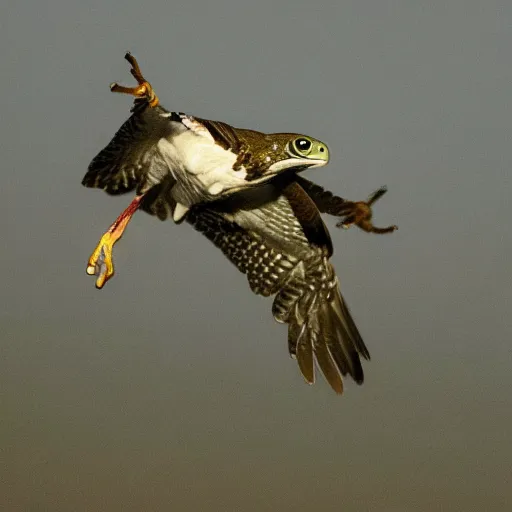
(100,263)
(358,212)
(144,90)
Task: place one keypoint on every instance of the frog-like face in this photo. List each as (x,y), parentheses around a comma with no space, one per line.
(305,151)
(278,152)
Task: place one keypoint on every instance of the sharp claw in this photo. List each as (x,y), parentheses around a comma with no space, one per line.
(381,231)
(375,196)
(135,71)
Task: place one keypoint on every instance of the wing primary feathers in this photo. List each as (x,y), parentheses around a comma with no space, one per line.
(352,328)
(131,160)
(341,341)
(305,357)
(305,285)
(326,363)
(319,320)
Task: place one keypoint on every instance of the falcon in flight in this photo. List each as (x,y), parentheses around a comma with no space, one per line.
(241,189)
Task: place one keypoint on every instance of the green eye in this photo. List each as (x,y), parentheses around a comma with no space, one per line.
(303,145)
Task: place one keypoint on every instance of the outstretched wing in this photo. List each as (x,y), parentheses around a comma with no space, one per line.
(284,248)
(131,158)
(319,323)
(138,156)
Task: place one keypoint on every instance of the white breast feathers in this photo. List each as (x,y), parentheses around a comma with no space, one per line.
(202,169)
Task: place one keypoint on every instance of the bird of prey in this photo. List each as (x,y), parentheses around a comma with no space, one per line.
(273,232)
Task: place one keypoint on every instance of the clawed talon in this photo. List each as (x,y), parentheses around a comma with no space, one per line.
(100,263)
(143,90)
(360,214)
(375,196)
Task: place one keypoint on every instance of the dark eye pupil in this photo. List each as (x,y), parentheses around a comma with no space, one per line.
(303,144)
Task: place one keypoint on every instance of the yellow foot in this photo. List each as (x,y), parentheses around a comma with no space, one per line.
(143,90)
(100,263)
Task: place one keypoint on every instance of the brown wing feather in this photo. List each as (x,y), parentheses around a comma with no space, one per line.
(308,216)
(132,155)
(284,248)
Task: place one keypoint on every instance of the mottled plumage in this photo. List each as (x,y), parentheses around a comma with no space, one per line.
(275,235)
(241,189)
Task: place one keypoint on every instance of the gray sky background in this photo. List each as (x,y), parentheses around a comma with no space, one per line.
(171,389)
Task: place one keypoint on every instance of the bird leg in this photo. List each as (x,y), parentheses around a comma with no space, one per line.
(144,90)
(360,213)
(100,263)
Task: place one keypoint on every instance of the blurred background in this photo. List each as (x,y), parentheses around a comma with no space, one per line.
(172,389)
